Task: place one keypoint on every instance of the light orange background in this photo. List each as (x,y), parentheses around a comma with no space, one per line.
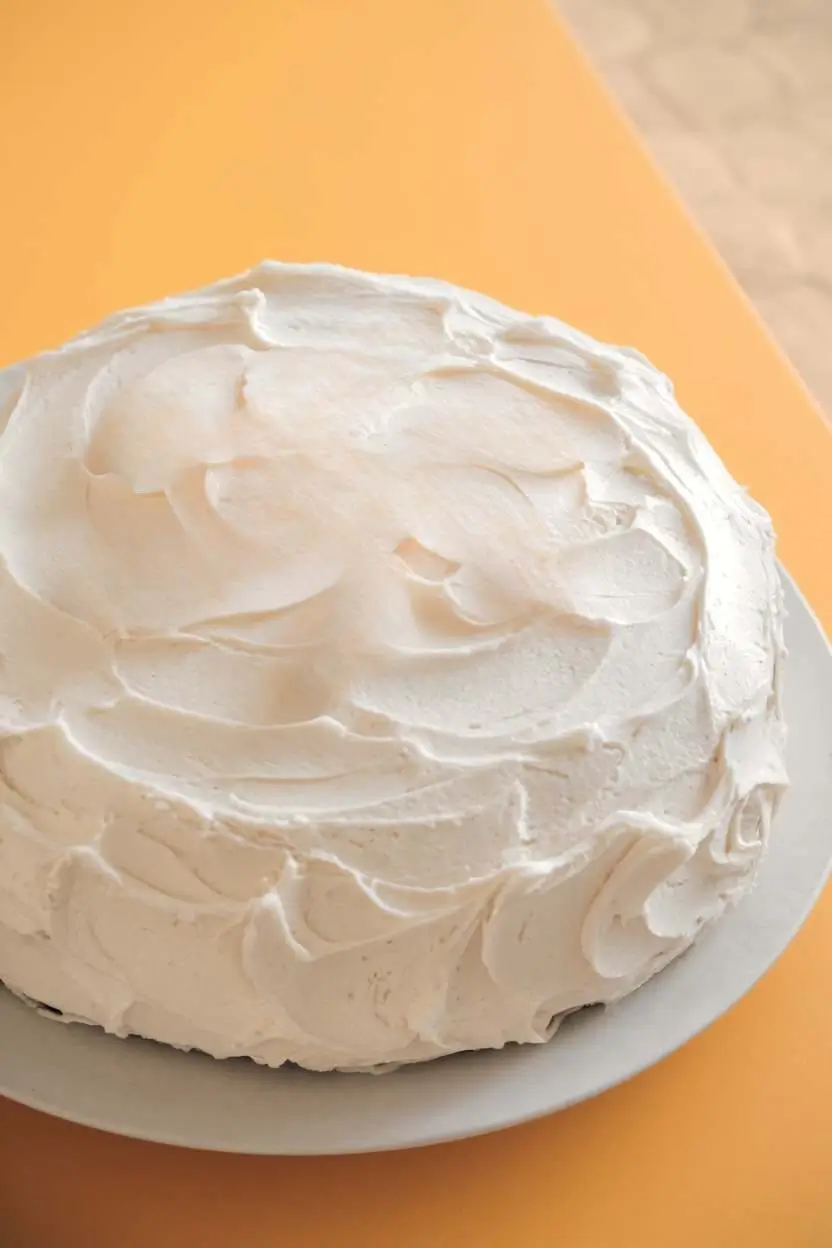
(146,148)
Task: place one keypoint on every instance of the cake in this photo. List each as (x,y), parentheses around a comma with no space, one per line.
(385,673)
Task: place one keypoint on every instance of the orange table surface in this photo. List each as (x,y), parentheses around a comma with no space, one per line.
(149,148)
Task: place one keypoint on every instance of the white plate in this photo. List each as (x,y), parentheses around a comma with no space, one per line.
(143,1089)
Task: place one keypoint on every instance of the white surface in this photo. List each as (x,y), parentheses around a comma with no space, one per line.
(143,1089)
(466,720)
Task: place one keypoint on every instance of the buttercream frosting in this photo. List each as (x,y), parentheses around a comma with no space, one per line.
(383,672)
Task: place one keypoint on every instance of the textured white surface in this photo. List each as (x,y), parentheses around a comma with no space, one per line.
(734,100)
(148,1090)
(386,673)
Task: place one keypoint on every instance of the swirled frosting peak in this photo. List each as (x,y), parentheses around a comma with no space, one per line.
(382,672)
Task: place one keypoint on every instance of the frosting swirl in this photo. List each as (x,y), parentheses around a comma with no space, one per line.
(384,672)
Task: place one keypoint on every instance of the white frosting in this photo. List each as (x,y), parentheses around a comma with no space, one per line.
(384,672)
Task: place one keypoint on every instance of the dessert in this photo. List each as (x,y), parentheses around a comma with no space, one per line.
(385,673)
